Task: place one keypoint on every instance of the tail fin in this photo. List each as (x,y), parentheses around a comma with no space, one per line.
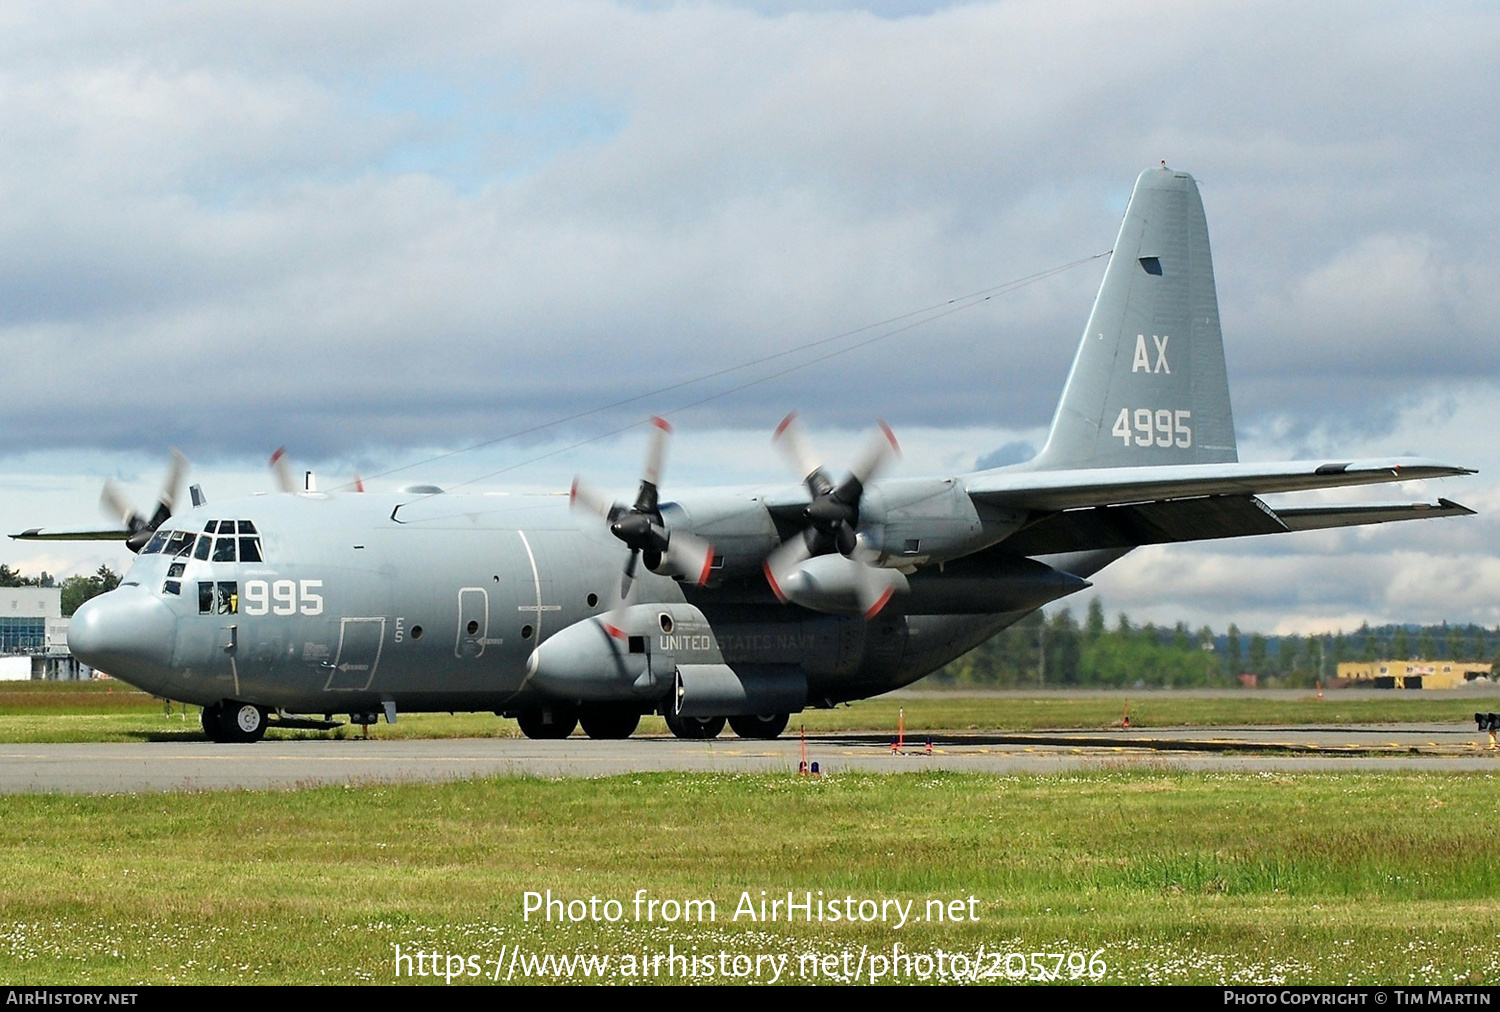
(1148,384)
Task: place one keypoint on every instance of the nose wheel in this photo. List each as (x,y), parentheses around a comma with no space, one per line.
(228,721)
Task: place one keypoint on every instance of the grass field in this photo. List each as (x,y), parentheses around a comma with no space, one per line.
(1138,876)
(110,711)
(1157,876)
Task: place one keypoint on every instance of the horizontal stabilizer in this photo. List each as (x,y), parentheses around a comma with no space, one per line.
(1318,518)
(1061,490)
(1204,518)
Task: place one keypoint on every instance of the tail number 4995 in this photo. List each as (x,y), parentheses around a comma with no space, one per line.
(282,597)
(1153,427)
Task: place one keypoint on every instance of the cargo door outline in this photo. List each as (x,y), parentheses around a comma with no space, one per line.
(473,606)
(360,643)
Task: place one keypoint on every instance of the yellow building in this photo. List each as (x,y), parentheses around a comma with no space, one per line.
(1412,674)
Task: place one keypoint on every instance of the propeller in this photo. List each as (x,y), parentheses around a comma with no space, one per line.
(641,527)
(832,517)
(141,528)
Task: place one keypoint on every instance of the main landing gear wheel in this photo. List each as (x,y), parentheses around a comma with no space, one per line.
(609,723)
(764,725)
(695,728)
(549,722)
(227,721)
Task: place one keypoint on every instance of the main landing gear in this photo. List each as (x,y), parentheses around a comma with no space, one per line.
(763,726)
(559,719)
(227,721)
(613,723)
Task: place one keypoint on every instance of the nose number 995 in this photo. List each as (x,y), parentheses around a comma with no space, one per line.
(282,597)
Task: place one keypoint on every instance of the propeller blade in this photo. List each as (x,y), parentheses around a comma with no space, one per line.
(282,469)
(614,619)
(585,497)
(878,453)
(172,487)
(629,576)
(876,587)
(784,558)
(114,503)
(656,453)
(791,440)
(690,557)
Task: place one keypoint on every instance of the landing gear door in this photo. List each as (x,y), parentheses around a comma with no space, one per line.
(473,621)
(360,640)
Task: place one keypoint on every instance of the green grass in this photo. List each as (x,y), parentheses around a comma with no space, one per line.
(1310,878)
(110,711)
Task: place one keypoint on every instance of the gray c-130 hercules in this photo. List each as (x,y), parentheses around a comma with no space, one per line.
(746,605)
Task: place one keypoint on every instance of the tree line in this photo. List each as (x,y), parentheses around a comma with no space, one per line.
(1057,650)
(75,589)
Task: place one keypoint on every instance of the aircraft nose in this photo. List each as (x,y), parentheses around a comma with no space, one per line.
(126,633)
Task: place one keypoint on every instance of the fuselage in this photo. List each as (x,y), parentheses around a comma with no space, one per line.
(314,603)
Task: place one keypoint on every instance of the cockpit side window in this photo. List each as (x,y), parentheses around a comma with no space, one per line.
(179,543)
(155,544)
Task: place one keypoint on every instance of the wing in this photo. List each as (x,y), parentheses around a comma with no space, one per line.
(116,532)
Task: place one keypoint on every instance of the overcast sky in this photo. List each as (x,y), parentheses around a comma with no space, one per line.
(376,232)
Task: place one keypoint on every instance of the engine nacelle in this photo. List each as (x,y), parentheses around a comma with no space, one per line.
(584,662)
(738,526)
(918,521)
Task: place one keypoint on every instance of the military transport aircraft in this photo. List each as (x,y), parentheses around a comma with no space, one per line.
(743,605)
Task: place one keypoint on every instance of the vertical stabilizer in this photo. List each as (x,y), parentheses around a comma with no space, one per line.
(1148,384)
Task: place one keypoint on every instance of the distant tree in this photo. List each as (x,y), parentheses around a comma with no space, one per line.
(1064,648)
(1258,654)
(1232,648)
(78,589)
(1181,638)
(1093,626)
(1401,644)
(13,578)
